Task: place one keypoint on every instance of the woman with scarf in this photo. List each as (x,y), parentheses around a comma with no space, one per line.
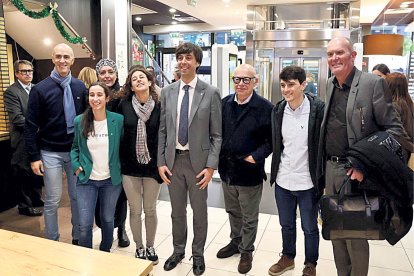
(95,161)
(141,181)
(108,73)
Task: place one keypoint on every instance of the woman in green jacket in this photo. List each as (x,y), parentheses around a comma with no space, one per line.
(95,160)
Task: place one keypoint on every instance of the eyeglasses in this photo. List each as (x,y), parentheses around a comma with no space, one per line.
(245,80)
(26,72)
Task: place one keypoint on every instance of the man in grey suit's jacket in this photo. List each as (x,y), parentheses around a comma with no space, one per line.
(16,97)
(357,105)
(188,151)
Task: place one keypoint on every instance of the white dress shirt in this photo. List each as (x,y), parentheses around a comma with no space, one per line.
(181,93)
(26,87)
(293,174)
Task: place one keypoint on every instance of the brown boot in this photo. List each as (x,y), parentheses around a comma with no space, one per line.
(245,263)
(284,264)
(309,270)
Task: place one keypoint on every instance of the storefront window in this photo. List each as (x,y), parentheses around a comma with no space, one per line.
(172,40)
(236,37)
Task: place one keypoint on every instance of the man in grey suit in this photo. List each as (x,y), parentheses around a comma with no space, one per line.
(188,151)
(29,185)
(358,104)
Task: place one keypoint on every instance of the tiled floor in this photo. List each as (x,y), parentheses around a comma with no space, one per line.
(385,260)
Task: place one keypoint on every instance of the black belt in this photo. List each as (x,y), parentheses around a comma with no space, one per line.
(337,159)
(178,151)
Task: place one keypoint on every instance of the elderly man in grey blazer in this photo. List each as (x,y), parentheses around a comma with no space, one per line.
(188,151)
(357,105)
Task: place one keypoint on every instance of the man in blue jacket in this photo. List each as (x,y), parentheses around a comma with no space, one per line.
(296,121)
(246,144)
(53,105)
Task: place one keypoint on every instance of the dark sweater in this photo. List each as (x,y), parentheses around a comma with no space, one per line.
(129,163)
(45,127)
(246,131)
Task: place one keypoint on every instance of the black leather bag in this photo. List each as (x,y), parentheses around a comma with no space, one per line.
(353,216)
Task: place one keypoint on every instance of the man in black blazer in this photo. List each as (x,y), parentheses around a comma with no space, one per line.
(29,185)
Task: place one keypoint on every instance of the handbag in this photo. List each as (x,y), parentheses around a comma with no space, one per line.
(354,216)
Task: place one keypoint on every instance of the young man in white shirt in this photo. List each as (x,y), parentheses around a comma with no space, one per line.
(296,122)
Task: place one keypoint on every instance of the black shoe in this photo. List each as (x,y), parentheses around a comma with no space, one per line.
(38,203)
(228,251)
(173,261)
(198,265)
(123,240)
(75,242)
(30,212)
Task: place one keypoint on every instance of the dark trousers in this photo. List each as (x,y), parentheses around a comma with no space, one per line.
(120,210)
(351,256)
(28,187)
(286,202)
(183,182)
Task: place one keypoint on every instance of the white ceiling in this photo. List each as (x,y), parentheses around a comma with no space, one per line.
(30,33)
(219,17)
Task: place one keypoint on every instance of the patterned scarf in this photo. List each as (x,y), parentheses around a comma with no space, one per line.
(143,112)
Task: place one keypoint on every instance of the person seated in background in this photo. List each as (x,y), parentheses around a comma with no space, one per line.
(381,70)
(152,72)
(28,184)
(176,74)
(310,86)
(88,76)
(402,102)
(96,163)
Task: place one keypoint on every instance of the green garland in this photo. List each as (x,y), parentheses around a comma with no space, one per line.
(51,9)
(36,15)
(63,32)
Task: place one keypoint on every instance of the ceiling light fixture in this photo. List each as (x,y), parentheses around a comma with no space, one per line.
(172,10)
(138,18)
(47,41)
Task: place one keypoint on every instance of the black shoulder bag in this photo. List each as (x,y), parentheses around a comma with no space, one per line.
(353,216)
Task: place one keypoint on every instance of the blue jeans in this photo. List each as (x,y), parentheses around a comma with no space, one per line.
(87,196)
(287,202)
(54,163)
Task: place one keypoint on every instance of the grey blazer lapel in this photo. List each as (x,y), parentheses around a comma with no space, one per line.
(329,91)
(197,97)
(23,93)
(353,92)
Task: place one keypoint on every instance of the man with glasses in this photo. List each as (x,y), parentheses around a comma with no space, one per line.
(246,144)
(29,185)
(53,105)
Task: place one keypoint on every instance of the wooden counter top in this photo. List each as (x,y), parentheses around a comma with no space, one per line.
(22,254)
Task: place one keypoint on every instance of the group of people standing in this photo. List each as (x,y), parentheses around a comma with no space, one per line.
(119,144)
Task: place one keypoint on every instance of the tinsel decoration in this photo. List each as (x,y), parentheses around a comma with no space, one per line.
(63,32)
(36,15)
(51,9)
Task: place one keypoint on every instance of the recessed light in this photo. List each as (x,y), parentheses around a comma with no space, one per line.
(47,41)
(173,10)
(404,6)
(138,18)
(385,24)
(329,9)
